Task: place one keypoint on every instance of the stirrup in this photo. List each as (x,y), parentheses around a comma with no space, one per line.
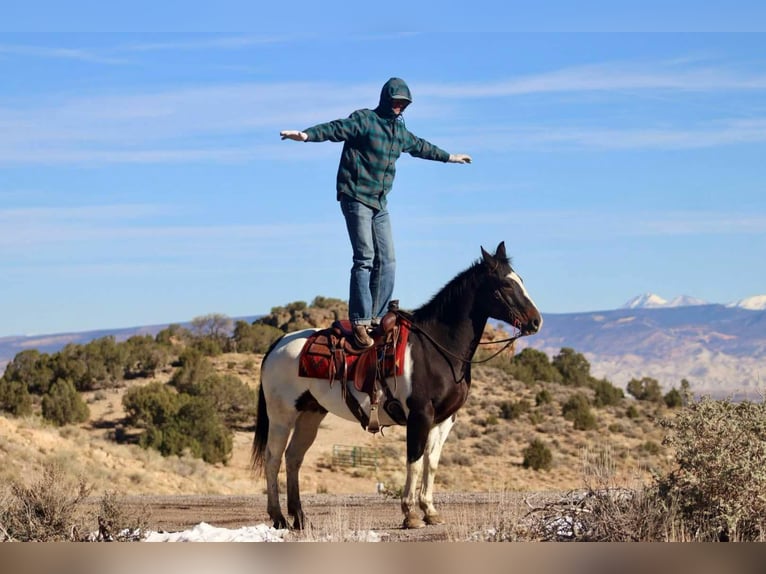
(373,425)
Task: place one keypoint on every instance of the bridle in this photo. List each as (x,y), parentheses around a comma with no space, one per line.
(497,294)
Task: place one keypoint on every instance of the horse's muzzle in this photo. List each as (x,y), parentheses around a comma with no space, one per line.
(532,326)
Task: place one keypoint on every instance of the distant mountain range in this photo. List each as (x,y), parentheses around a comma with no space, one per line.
(720,349)
(652,301)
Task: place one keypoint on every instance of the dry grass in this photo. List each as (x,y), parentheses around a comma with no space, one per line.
(483,454)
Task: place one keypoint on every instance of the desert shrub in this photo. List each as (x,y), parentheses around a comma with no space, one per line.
(14,398)
(31,369)
(673,399)
(99,364)
(173,335)
(151,405)
(511,410)
(488,446)
(719,479)
(537,456)
(632,412)
(195,367)
(645,389)
(573,367)
(650,447)
(577,410)
(231,398)
(603,511)
(144,356)
(606,394)
(531,365)
(118,521)
(543,397)
(176,422)
(50,509)
(63,405)
(256,337)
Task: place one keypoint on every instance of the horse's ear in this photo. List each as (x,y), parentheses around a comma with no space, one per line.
(500,251)
(488,259)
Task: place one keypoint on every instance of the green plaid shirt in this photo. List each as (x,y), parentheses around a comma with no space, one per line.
(373,141)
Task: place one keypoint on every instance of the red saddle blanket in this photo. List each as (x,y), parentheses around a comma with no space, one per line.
(327,355)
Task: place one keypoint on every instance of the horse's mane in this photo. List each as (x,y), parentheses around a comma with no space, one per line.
(442,304)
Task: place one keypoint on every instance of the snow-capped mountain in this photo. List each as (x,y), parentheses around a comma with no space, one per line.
(653,301)
(755,303)
(645,301)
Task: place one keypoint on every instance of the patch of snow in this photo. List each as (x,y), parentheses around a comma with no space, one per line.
(204,532)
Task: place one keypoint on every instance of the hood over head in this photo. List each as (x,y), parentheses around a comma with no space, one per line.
(394,88)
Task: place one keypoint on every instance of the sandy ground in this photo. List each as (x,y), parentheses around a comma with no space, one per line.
(468,516)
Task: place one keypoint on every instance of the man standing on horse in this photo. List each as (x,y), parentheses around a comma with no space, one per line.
(373,141)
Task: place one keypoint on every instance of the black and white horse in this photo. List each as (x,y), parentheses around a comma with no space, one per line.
(444,336)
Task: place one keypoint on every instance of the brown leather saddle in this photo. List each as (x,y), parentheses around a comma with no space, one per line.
(331,354)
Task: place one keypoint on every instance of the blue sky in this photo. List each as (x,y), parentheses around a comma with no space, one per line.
(143,181)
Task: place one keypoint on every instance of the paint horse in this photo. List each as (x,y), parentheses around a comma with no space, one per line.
(435,381)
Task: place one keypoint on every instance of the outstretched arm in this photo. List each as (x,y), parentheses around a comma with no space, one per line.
(459,158)
(294,135)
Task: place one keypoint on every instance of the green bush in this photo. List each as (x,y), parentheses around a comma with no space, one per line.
(511,410)
(537,456)
(645,389)
(719,479)
(232,399)
(194,369)
(176,422)
(255,338)
(674,399)
(543,397)
(577,410)
(144,356)
(606,394)
(531,365)
(14,398)
(573,366)
(632,412)
(32,370)
(151,405)
(63,405)
(197,428)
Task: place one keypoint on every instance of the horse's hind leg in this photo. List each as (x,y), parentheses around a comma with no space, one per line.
(305,432)
(433,452)
(278,435)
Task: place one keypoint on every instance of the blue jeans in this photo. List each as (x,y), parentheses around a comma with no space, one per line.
(372,274)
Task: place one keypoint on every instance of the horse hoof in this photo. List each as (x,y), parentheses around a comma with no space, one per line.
(412,522)
(433,519)
(280,522)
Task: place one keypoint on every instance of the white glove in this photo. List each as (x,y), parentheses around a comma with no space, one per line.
(294,135)
(459,158)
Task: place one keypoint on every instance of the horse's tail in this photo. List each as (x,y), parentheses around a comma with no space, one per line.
(261,438)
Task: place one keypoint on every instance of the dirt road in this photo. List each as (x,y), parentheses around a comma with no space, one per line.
(469,516)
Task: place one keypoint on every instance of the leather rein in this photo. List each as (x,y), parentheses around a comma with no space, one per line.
(508,341)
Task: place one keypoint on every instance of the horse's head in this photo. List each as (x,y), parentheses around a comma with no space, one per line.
(506,297)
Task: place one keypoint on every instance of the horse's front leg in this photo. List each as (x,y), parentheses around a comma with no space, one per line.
(305,432)
(433,452)
(419,424)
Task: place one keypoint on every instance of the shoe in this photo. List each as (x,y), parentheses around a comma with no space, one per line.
(361,338)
